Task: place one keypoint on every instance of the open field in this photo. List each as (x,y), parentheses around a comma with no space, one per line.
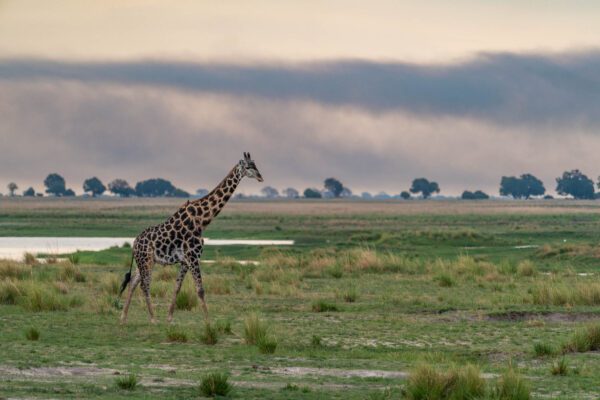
(371,295)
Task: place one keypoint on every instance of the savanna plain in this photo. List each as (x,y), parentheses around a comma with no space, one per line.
(375,300)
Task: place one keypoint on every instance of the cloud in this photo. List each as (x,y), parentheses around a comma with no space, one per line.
(540,89)
(375,126)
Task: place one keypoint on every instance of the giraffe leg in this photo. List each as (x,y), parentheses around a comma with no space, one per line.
(200,289)
(146,277)
(134,282)
(182,271)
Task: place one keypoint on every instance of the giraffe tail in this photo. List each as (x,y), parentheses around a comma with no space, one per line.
(127,278)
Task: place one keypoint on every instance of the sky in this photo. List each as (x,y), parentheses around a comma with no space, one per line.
(373,93)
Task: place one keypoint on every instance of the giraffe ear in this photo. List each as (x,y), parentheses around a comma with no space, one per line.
(247,156)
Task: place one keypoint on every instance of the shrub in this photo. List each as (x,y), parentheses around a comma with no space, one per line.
(9,292)
(215,384)
(586,339)
(32,334)
(127,382)
(543,349)
(428,384)
(266,344)
(511,386)
(210,335)
(175,334)
(559,367)
(254,329)
(323,306)
(187,299)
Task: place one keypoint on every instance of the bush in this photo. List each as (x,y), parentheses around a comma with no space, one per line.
(210,335)
(215,384)
(543,349)
(32,334)
(187,299)
(175,334)
(323,306)
(511,386)
(586,339)
(127,382)
(254,329)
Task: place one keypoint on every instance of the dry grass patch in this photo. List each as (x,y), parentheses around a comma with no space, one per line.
(559,294)
(14,271)
(9,292)
(217,285)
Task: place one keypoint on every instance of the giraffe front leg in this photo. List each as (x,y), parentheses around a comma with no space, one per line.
(200,289)
(182,271)
(132,285)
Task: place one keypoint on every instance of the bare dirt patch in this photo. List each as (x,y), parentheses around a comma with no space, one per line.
(55,372)
(518,316)
(340,373)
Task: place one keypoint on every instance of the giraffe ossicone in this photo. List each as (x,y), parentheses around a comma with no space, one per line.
(180,240)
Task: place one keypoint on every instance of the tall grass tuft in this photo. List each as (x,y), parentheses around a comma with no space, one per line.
(187,299)
(38,298)
(215,384)
(14,271)
(32,334)
(176,334)
(511,386)
(254,329)
(526,268)
(559,367)
(323,306)
(266,344)
(70,273)
(543,350)
(426,383)
(9,292)
(129,382)
(30,259)
(210,335)
(586,339)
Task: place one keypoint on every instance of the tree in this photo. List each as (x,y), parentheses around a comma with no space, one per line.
(522,187)
(11,188)
(29,192)
(334,186)
(405,195)
(576,184)
(154,188)
(120,187)
(477,195)
(68,193)
(346,192)
(180,193)
(291,193)
(366,196)
(55,184)
(94,185)
(270,192)
(202,192)
(312,194)
(423,186)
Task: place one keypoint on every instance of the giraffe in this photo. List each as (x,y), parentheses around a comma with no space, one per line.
(180,240)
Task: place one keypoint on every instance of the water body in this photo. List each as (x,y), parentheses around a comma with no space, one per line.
(13,248)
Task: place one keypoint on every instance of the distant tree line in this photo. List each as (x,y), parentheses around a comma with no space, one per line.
(572,183)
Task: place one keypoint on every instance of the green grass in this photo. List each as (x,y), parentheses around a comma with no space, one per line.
(505,306)
(32,334)
(210,335)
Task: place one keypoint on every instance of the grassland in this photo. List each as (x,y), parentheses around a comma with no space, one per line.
(376,300)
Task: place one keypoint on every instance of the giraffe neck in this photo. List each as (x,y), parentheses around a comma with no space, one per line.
(211,205)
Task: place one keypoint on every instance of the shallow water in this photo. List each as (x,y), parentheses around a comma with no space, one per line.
(13,248)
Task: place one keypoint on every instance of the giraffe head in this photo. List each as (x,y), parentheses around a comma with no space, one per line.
(248,168)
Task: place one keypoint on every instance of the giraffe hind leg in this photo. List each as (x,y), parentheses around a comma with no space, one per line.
(145,279)
(200,290)
(132,286)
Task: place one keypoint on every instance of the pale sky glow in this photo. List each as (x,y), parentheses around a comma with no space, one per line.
(375,93)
